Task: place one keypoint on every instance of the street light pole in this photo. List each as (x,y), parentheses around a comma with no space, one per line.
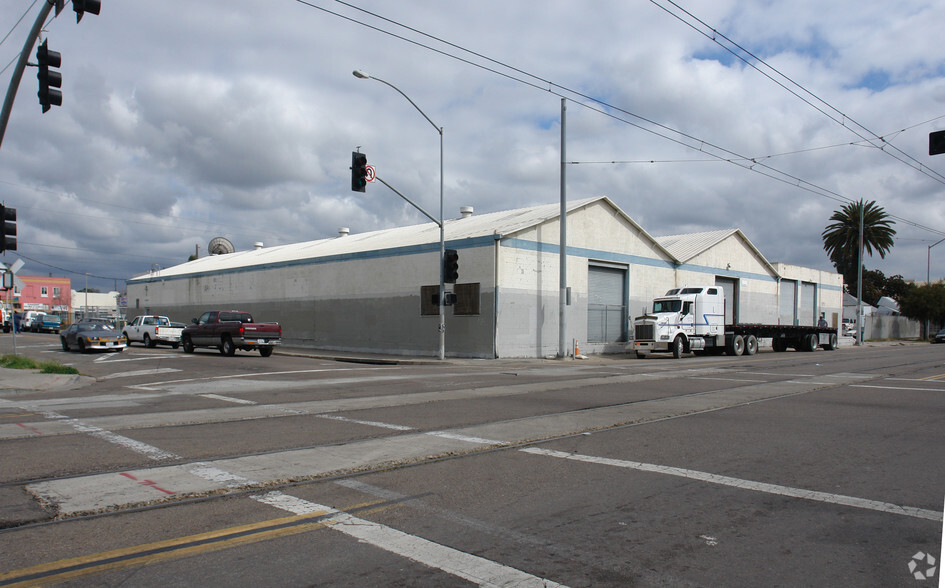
(442,327)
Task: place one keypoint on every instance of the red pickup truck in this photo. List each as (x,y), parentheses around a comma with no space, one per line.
(229,330)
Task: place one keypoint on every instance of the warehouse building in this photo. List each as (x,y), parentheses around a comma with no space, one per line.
(373,292)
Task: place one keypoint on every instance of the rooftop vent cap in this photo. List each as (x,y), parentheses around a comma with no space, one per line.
(343,231)
(465,211)
(258,245)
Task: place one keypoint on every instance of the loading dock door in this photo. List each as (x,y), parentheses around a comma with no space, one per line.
(730,288)
(606,304)
(787,313)
(808,314)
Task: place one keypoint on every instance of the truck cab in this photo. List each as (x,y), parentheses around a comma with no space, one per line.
(682,320)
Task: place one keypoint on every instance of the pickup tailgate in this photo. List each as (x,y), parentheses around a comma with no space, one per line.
(261,333)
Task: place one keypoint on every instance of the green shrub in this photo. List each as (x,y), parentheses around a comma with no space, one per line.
(19,362)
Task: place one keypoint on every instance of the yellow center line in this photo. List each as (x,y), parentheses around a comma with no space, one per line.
(169,549)
(936,377)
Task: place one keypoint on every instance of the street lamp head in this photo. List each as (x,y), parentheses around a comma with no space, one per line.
(360,74)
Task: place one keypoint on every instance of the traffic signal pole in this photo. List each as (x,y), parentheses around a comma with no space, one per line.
(21,65)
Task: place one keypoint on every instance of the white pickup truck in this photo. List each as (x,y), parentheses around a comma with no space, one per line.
(152,330)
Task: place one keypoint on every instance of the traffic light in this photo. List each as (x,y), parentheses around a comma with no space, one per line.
(48,79)
(450,266)
(8,219)
(936,143)
(83,6)
(358,171)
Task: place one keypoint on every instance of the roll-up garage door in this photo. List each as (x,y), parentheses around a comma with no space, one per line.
(606,304)
(730,288)
(787,313)
(808,313)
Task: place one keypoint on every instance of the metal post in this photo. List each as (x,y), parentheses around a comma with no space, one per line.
(859,284)
(21,66)
(928,281)
(442,257)
(563,241)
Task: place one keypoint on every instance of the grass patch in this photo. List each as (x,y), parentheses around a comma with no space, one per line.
(18,362)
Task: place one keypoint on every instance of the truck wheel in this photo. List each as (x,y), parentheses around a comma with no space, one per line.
(641,355)
(265,351)
(127,338)
(148,342)
(679,346)
(751,345)
(736,346)
(175,345)
(832,343)
(808,343)
(226,347)
(777,345)
(188,345)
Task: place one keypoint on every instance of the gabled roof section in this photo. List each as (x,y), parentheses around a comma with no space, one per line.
(685,247)
(550,212)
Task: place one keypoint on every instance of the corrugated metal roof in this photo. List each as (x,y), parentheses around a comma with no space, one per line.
(685,247)
(482,225)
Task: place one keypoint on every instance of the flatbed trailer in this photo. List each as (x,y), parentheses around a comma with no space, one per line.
(691,319)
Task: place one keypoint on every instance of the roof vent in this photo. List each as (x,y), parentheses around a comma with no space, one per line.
(343,231)
(465,211)
(258,245)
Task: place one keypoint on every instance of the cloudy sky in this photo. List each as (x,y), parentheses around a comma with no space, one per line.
(183,121)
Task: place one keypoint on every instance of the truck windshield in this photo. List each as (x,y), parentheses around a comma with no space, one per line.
(667,305)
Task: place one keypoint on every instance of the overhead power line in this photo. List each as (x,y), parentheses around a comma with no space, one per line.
(801,92)
(668,133)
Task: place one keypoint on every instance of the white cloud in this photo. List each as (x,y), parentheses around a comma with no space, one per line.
(184,121)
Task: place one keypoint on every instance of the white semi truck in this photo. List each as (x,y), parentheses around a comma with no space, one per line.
(692,319)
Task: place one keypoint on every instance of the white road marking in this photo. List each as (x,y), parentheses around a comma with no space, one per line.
(910,511)
(726,379)
(139,373)
(136,446)
(369,423)
(467,438)
(228,399)
(895,388)
(454,562)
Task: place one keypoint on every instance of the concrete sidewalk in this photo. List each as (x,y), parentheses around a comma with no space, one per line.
(34,380)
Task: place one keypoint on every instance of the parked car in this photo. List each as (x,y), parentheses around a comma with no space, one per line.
(88,335)
(48,323)
(939,337)
(151,330)
(30,319)
(229,330)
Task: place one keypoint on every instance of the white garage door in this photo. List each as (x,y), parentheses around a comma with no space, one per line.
(606,304)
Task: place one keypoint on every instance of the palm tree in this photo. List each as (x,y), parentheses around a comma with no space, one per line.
(842,237)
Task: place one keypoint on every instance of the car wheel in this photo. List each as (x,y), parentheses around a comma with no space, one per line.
(265,351)
(227,348)
(65,344)
(175,345)
(188,345)
(81,344)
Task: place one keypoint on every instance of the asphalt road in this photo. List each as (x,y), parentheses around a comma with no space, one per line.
(783,469)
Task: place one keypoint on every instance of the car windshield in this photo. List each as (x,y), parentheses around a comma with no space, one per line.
(667,305)
(97,327)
